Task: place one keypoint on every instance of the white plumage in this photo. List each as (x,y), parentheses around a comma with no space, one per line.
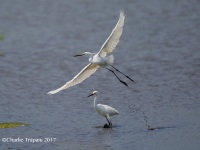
(104,110)
(102,59)
(82,75)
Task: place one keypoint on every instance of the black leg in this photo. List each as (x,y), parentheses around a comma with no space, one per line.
(109,124)
(108,121)
(122,73)
(117,77)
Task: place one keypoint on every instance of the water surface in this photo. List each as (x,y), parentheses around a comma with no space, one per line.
(159,49)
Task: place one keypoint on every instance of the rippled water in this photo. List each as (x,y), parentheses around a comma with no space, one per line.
(159,49)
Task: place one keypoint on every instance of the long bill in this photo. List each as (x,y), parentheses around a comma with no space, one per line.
(78,55)
(90,95)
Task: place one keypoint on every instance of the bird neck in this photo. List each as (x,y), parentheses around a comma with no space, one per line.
(95,104)
(90,55)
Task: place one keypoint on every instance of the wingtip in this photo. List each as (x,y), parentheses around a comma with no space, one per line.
(51,93)
(122,16)
(54,91)
(122,12)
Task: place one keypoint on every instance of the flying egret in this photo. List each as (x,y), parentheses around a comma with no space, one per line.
(104,110)
(104,58)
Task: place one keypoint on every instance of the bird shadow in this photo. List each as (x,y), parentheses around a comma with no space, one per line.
(158,128)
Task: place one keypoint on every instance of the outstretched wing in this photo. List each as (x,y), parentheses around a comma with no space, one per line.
(113,39)
(81,76)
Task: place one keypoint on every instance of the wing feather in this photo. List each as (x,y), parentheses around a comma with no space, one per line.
(113,39)
(81,76)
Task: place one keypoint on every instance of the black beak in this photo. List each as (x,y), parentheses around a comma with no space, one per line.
(90,95)
(78,55)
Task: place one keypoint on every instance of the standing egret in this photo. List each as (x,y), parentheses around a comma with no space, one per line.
(104,58)
(104,110)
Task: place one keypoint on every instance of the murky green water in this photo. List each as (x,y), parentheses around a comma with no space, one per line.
(159,49)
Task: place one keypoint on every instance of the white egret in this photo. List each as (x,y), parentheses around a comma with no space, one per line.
(104,58)
(104,110)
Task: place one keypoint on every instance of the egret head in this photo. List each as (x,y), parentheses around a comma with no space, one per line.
(93,93)
(85,54)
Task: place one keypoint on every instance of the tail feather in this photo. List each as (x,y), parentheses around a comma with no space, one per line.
(110,59)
